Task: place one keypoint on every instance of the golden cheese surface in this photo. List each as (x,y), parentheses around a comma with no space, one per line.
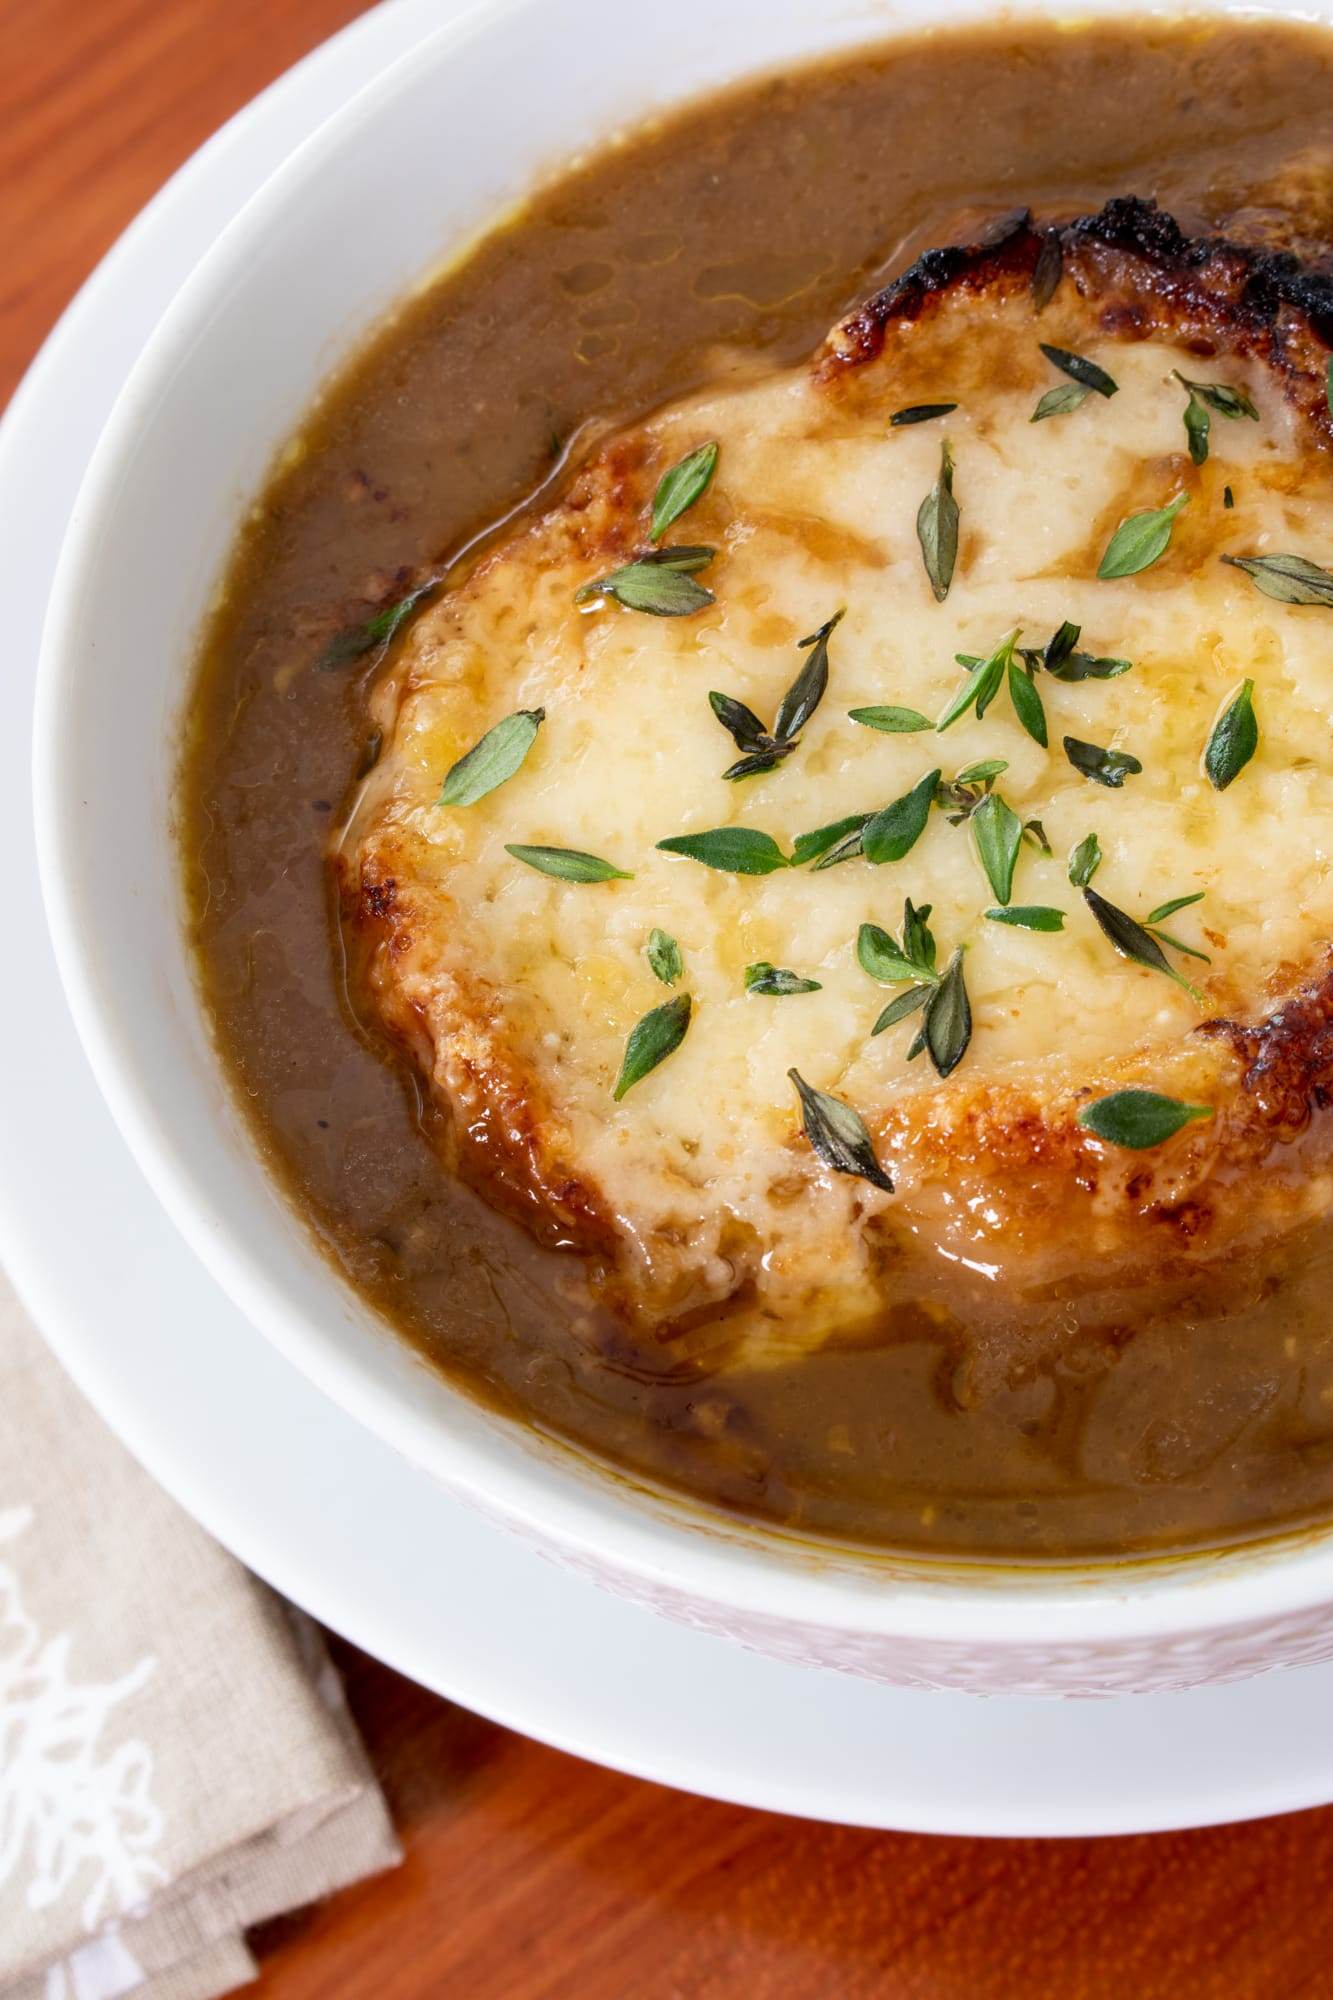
(517,992)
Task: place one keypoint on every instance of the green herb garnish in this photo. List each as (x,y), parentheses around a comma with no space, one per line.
(1206,396)
(357,640)
(891,721)
(661,582)
(1290,579)
(1168,909)
(947,1025)
(1060,659)
(1029,917)
(774,980)
(879,953)
(652,1040)
(569,864)
(807,690)
(998,833)
(1104,767)
(1234,739)
(1197,426)
(1047,271)
(982,684)
(892,833)
(1085,860)
(764,749)
(1141,540)
(921,413)
(1079,369)
(1027,702)
(809,846)
(492,760)
(734,850)
(1156,918)
(1061,401)
(664,956)
(678,489)
(1228,497)
(899,1009)
(937,528)
(838,1134)
(1132,941)
(1139,1118)
(960,797)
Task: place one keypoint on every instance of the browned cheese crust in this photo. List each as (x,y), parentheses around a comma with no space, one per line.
(994,1172)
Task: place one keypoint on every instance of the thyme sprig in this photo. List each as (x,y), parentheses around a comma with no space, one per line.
(764,749)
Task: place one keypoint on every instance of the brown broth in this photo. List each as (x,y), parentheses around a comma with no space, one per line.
(741,226)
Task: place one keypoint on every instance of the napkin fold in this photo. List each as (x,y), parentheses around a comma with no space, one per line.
(177,1762)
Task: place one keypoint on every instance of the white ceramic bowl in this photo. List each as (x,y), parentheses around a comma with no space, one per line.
(414,166)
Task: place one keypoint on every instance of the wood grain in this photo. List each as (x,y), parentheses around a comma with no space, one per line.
(530,1876)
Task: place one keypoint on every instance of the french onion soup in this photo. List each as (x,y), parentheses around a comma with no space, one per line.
(758,811)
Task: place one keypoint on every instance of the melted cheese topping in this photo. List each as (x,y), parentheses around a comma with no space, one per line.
(814,508)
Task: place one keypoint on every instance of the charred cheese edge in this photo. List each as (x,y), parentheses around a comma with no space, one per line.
(707,1214)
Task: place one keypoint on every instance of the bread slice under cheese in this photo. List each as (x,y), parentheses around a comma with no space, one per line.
(710,1220)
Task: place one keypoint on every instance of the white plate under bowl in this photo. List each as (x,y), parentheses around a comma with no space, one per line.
(431,150)
(330,1515)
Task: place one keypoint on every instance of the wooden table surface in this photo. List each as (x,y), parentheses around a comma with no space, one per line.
(529,1874)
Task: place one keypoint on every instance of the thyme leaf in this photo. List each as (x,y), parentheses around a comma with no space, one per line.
(1206,396)
(1061,401)
(1290,579)
(1234,739)
(1132,941)
(734,850)
(892,833)
(921,413)
(1168,909)
(664,956)
(1027,702)
(979,689)
(652,1040)
(1104,767)
(891,721)
(1085,860)
(1029,917)
(937,528)
(899,1008)
(1139,1118)
(356,641)
(679,488)
(1141,540)
(747,732)
(774,980)
(998,833)
(660,582)
(569,864)
(1065,664)
(809,846)
(807,690)
(492,760)
(947,1027)
(1079,369)
(838,1134)
(879,953)
(765,748)
(1048,270)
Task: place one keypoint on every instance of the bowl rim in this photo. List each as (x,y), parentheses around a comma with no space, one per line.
(553,1494)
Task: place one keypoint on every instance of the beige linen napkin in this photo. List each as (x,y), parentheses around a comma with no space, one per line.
(176,1760)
